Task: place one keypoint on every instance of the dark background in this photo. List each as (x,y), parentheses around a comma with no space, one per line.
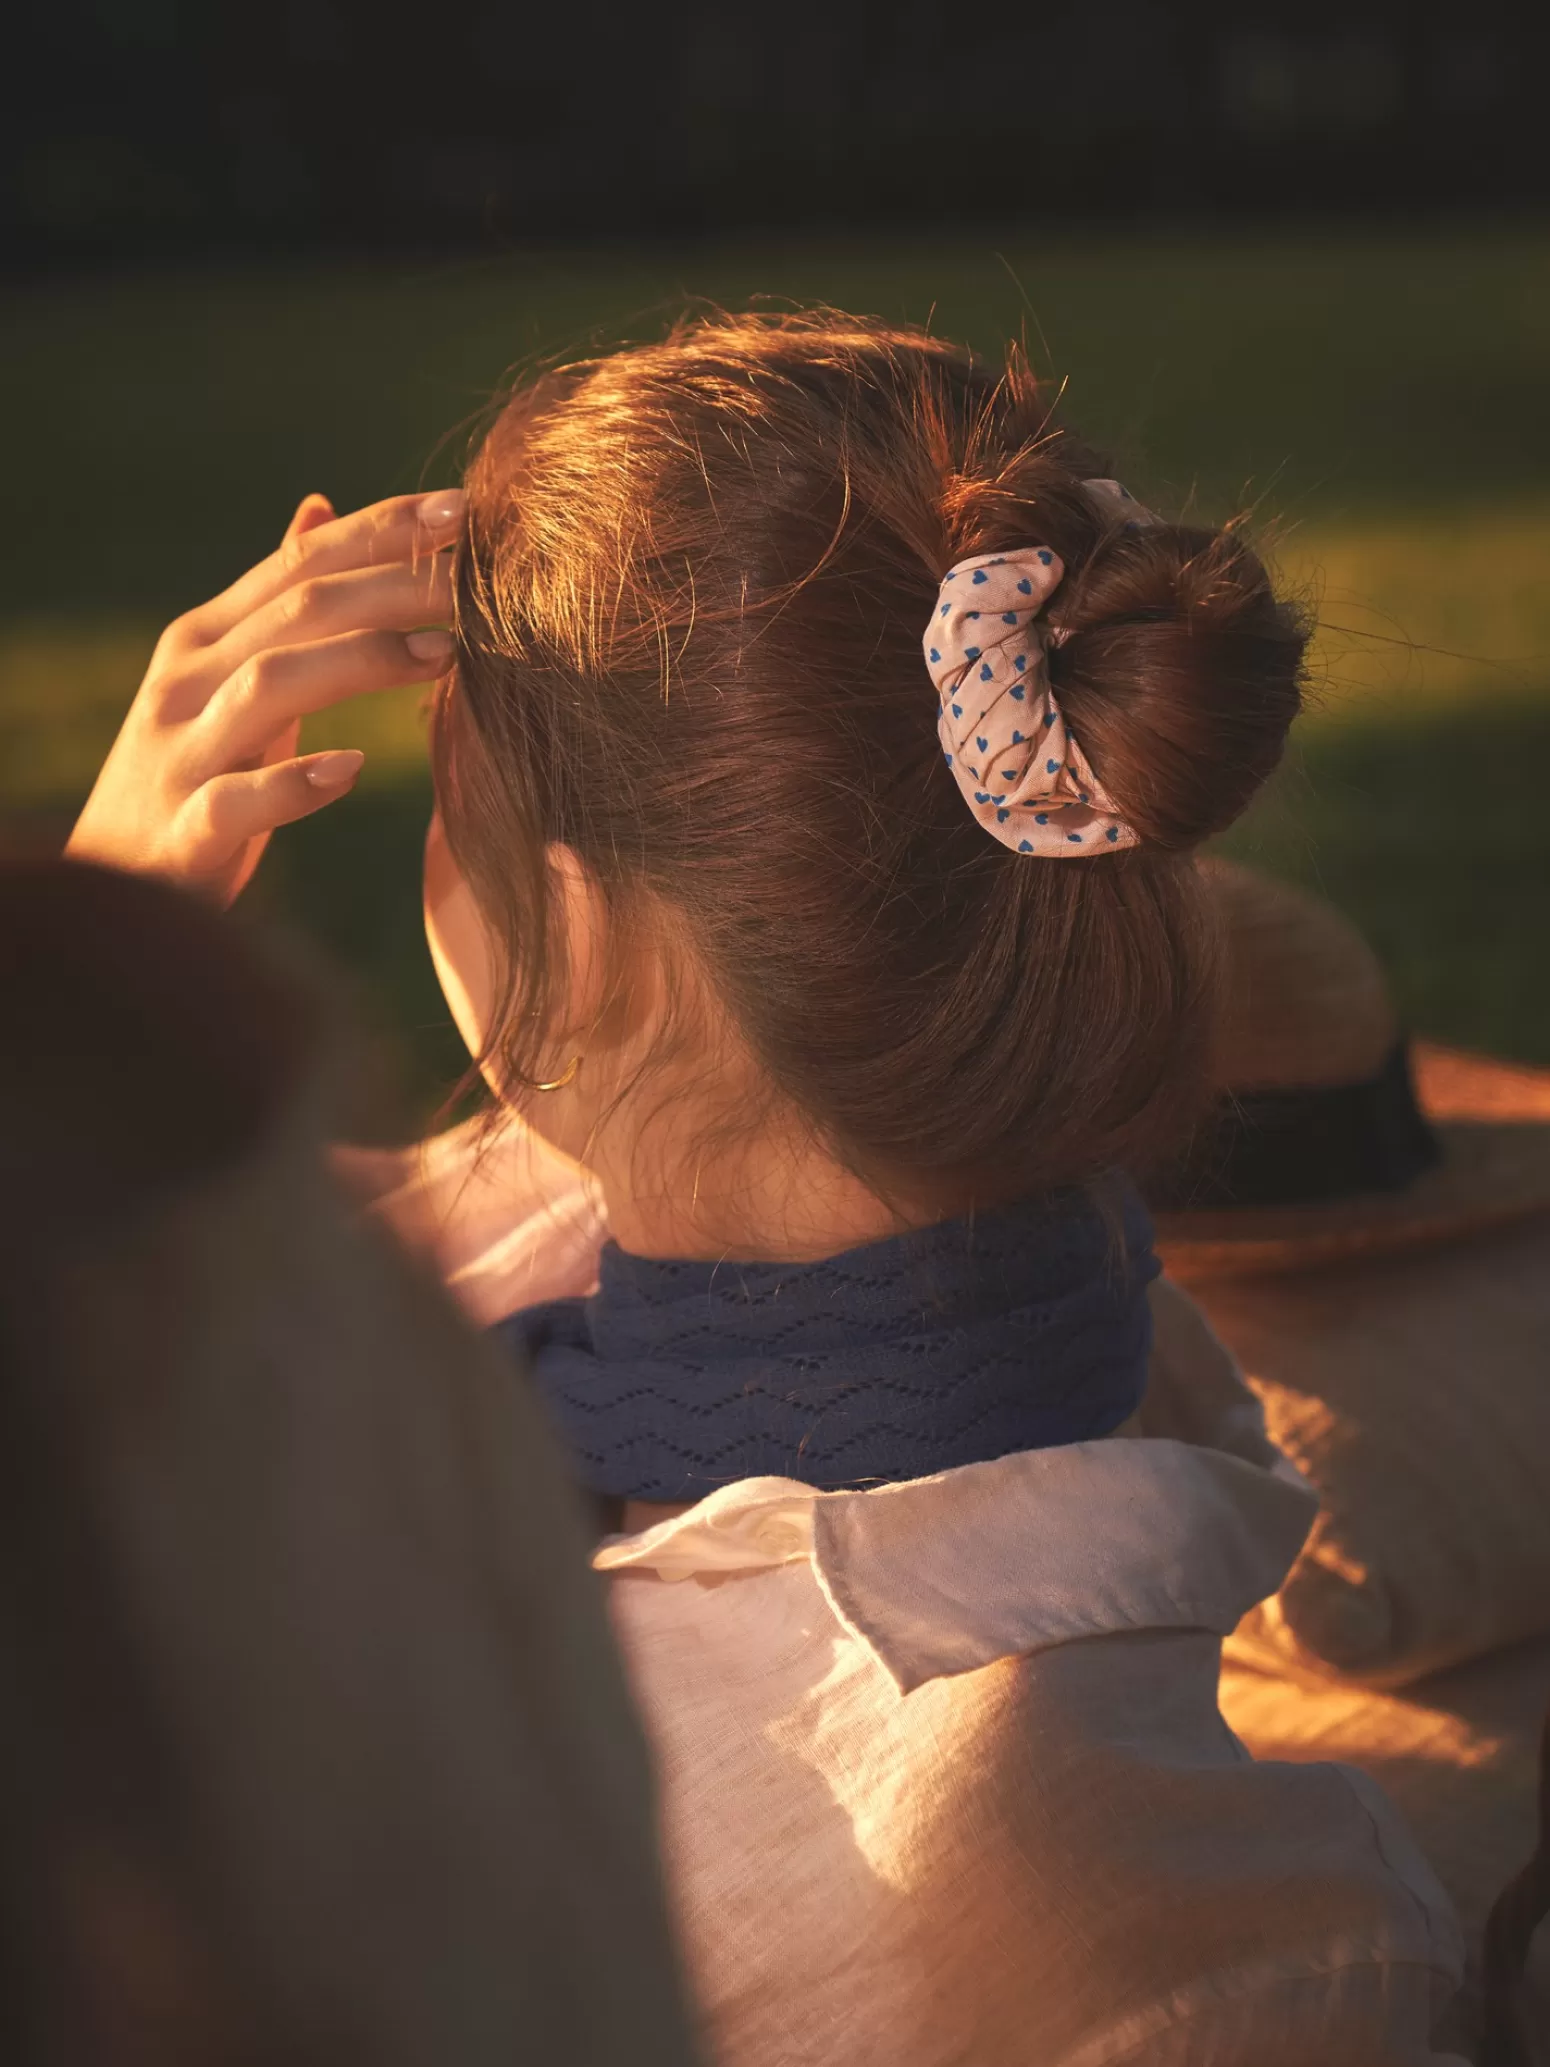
(161,128)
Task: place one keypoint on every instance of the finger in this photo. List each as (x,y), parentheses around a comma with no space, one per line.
(311,511)
(386,599)
(218,820)
(405,527)
(396,599)
(270,692)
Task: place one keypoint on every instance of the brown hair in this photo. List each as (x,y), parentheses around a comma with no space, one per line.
(690,604)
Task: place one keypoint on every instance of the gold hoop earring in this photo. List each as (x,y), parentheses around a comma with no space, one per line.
(558,1083)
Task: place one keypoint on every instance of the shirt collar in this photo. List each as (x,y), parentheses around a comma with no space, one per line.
(945,1574)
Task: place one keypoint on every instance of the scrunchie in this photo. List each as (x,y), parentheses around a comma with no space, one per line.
(1021,771)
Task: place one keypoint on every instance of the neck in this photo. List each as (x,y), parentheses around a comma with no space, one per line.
(699,1160)
(771,1202)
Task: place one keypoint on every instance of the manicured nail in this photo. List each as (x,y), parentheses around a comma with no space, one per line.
(334,771)
(430,645)
(439,512)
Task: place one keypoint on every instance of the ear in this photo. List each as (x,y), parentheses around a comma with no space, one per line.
(458,940)
(582,927)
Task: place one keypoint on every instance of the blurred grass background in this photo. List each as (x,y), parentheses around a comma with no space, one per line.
(1380,401)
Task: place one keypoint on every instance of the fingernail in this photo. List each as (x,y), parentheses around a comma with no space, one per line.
(439,512)
(430,645)
(333,771)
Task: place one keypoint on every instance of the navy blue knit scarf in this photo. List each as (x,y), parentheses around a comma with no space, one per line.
(1016,1330)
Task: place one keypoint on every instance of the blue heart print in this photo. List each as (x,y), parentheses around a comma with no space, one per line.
(957,668)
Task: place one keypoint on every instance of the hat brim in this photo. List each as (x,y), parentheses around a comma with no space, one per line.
(1492,1122)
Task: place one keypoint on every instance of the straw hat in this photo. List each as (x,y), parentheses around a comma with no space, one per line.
(1338,1137)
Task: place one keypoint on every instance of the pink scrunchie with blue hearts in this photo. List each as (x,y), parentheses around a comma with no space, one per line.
(1021,772)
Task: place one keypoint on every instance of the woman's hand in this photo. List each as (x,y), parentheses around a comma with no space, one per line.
(205,765)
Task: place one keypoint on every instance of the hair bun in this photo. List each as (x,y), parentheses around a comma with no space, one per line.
(1180,672)
(690,609)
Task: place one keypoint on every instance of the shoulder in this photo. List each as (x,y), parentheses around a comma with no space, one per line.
(988,1730)
(1197,1905)
(1072,1837)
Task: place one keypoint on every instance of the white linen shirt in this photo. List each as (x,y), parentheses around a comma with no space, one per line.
(943,1775)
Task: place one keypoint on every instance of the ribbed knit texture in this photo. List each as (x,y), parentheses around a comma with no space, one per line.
(1018,1330)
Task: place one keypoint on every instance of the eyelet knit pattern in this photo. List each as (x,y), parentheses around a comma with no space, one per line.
(1017,1330)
